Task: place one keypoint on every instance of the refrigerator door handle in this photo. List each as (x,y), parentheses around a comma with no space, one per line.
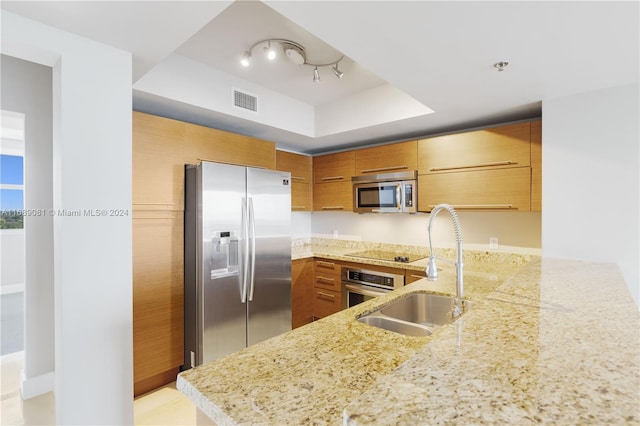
(245,252)
(252,233)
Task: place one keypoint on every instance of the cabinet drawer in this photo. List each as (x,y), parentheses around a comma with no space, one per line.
(500,189)
(497,147)
(334,167)
(397,157)
(327,267)
(336,196)
(325,302)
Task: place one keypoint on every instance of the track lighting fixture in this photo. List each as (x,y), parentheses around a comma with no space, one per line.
(295,52)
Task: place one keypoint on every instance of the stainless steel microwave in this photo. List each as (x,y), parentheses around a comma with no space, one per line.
(385,193)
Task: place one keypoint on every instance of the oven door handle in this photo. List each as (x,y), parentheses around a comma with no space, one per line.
(365,291)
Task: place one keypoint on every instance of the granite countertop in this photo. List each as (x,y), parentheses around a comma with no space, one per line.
(556,343)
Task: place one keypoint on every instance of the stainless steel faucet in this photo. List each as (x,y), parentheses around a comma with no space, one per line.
(432,270)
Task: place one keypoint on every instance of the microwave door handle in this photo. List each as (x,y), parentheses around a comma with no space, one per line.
(399,197)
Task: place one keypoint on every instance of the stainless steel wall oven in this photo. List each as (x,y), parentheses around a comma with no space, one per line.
(359,285)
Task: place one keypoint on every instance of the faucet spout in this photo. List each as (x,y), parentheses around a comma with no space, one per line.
(432,270)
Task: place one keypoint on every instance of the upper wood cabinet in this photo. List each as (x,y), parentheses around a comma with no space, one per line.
(503,189)
(338,167)
(205,143)
(497,147)
(332,189)
(300,167)
(397,157)
(157,163)
(536,165)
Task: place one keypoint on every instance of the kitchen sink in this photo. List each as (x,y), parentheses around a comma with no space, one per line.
(418,314)
(397,326)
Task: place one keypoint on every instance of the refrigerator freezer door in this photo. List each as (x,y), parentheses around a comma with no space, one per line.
(222,314)
(269,194)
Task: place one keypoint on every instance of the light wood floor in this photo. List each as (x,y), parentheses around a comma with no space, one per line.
(163,406)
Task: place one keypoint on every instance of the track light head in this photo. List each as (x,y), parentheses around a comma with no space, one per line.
(316,75)
(336,71)
(246,59)
(271,52)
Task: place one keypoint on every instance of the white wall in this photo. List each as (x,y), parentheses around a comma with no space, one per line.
(517,231)
(27,88)
(92,255)
(590,179)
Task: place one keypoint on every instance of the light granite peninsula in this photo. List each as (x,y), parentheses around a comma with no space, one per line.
(555,343)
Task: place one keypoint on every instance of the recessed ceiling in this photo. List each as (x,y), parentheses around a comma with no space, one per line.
(435,53)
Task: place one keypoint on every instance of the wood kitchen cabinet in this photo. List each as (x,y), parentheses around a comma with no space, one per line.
(327,288)
(411,276)
(496,147)
(302,293)
(397,157)
(208,144)
(536,165)
(160,149)
(301,169)
(332,189)
(487,169)
(504,189)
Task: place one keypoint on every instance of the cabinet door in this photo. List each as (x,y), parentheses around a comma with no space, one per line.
(158,298)
(205,143)
(536,165)
(334,167)
(301,292)
(333,196)
(498,147)
(300,167)
(157,163)
(411,276)
(500,189)
(397,157)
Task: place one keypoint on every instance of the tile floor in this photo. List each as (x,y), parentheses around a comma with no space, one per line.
(163,406)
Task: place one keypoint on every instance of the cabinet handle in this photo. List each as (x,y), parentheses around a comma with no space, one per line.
(384,169)
(332,178)
(417,276)
(326,264)
(480,206)
(297,177)
(327,280)
(332,208)
(298,207)
(321,293)
(493,164)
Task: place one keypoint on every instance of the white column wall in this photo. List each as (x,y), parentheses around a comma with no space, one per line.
(590,179)
(92,255)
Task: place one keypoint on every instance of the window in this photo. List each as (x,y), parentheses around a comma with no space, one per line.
(11,170)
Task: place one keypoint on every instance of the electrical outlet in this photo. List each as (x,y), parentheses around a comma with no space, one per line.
(493,243)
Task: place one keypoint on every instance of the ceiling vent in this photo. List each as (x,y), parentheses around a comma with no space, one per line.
(245,101)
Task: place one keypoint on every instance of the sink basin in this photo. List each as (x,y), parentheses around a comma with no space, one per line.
(418,314)
(397,326)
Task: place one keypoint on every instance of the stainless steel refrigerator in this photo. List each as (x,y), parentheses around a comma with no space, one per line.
(237,258)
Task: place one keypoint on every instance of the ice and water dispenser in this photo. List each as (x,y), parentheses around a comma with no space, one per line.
(224,254)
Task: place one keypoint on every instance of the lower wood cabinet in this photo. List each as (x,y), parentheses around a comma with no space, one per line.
(498,189)
(301,292)
(327,286)
(158,291)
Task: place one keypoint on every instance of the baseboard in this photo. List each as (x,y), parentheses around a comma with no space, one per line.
(38,385)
